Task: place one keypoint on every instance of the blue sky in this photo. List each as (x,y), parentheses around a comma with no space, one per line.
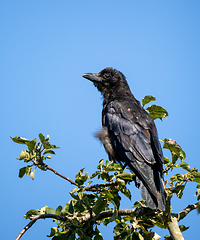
(45,48)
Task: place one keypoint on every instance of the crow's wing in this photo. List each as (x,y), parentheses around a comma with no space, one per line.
(135,131)
(134,139)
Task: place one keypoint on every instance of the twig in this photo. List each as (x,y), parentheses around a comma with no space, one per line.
(35,218)
(92,188)
(97,187)
(142,205)
(185,211)
(25,229)
(60,175)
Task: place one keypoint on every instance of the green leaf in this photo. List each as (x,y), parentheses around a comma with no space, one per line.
(79,207)
(71,237)
(113,167)
(157,112)
(197,179)
(175,149)
(108,194)
(116,167)
(24,155)
(81,178)
(95,174)
(136,236)
(105,177)
(98,235)
(32,144)
(28,170)
(122,231)
(49,151)
(71,208)
(20,140)
(22,171)
(126,176)
(167,237)
(185,166)
(54,230)
(47,145)
(120,182)
(42,167)
(166,160)
(137,204)
(31,213)
(64,237)
(115,213)
(50,211)
(58,210)
(147,99)
(179,191)
(100,165)
(126,192)
(75,222)
(100,205)
(183,228)
(74,190)
(42,138)
(173,179)
(158,221)
(196,174)
(47,138)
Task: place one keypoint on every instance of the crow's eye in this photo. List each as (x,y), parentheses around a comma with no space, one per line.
(106,76)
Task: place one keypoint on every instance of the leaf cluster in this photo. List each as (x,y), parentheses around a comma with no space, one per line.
(36,154)
(178,181)
(88,201)
(154,111)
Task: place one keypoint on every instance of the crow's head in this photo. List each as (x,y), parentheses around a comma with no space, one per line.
(108,81)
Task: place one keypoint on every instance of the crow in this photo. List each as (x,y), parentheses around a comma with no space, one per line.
(129,135)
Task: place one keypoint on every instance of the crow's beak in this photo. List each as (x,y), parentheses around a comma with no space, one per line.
(94,77)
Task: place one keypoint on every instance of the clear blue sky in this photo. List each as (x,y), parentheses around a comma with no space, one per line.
(45,47)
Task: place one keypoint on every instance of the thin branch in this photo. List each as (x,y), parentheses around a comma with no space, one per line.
(60,175)
(185,211)
(92,188)
(35,218)
(97,187)
(25,229)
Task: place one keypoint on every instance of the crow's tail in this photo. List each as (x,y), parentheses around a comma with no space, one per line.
(156,200)
(151,185)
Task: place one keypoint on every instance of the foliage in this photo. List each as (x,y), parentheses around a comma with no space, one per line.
(95,204)
(35,155)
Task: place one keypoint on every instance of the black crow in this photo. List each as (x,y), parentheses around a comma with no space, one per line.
(129,134)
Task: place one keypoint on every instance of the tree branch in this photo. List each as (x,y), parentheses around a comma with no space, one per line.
(25,229)
(86,217)
(185,211)
(35,218)
(175,218)
(60,175)
(174,229)
(92,188)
